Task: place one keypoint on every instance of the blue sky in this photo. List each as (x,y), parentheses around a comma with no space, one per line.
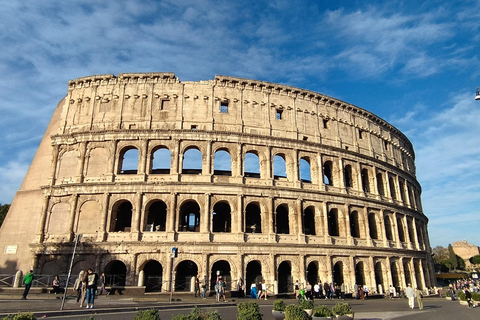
(413,63)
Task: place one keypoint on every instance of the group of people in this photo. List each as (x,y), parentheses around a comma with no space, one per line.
(85,286)
(319,290)
(412,295)
(258,291)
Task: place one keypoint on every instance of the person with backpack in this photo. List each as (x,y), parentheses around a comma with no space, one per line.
(92,279)
(28,279)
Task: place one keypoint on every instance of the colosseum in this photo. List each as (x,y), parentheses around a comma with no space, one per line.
(248,179)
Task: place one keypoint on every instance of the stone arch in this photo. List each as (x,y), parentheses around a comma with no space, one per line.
(189,217)
(407,273)
(128,160)
(279,166)
(96,159)
(348,176)
(388,227)
(360,273)
(253,273)
(222,217)
(121,217)
(305,173)
(54,267)
(312,273)
(282,224)
(333,227)
(160,160)
(400,229)
(328,173)
(67,164)
(354,224)
(253,218)
(186,270)
(365,180)
(87,218)
(284,276)
(222,162)
(338,273)
(379,281)
(115,273)
(221,268)
(192,160)
(372,225)
(393,191)
(380,184)
(309,221)
(395,275)
(153,276)
(156,218)
(252,167)
(58,218)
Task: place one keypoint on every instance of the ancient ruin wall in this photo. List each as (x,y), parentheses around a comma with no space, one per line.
(361,194)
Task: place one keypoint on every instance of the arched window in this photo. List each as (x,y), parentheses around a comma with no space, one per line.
(347,172)
(401,230)
(381,190)
(372,225)
(328,173)
(161,161)
(388,228)
(365,181)
(281,220)
(129,161)
(221,220)
(157,217)
(354,225)
(192,162)
(222,163)
(333,223)
(121,219)
(252,165)
(253,219)
(279,167)
(305,172)
(189,217)
(309,221)
(393,192)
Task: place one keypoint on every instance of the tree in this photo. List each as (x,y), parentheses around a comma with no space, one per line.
(3,212)
(440,254)
(452,261)
(475,259)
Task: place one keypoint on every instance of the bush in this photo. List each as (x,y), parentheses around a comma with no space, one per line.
(342,308)
(197,314)
(306,304)
(21,316)
(150,314)
(295,312)
(475,296)
(461,296)
(279,305)
(322,311)
(248,311)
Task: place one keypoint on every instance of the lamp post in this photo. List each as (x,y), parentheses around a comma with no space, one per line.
(477,95)
(77,240)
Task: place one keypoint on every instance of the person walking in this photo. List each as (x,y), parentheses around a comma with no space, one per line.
(197,286)
(204,287)
(102,281)
(411,296)
(77,286)
(419,298)
(28,279)
(468,297)
(92,279)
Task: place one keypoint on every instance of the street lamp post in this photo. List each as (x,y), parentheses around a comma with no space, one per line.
(77,240)
(477,95)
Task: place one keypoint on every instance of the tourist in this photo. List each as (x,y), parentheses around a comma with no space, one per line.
(28,279)
(77,286)
(197,286)
(342,291)
(326,288)
(296,289)
(391,291)
(204,287)
(240,286)
(102,285)
(411,296)
(253,291)
(263,293)
(316,289)
(419,298)
(92,279)
(365,290)
(468,297)
(308,291)
(56,286)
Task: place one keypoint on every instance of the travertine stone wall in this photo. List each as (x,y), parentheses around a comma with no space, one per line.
(344,208)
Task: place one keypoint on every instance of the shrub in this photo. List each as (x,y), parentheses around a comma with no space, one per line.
(306,304)
(342,308)
(295,312)
(248,311)
(475,296)
(150,314)
(197,314)
(21,316)
(322,311)
(279,305)
(461,296)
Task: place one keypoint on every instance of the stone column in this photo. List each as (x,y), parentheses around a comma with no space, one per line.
(205,219)
(396,236)
(348,232)
(401,274)
(389,278)
(207,160)
(136,216)
(270,230)
(299,218)
(142,158)
(171,216)
(414,227)
(422,274)
(102,235)
(239,217)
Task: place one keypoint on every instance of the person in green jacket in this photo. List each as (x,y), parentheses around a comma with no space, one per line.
(28,279)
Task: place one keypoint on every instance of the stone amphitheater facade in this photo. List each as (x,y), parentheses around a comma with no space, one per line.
(246,178)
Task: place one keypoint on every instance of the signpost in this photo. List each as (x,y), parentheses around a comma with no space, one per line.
(77,240)
(173,256)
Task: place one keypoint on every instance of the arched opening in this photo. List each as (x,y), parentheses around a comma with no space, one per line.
(220,268)
(121,217)
(347,173)
(418,275)
(189,217)
(281,220)
(157,216)
(192,161)
(279,166)
(418,227)
(360,274)
(185,271)
(312,273)
(354,225)
(284,277)
(328,173)
(115,273)
(254,274)
(252,165)
(372,225)
(253,219)
(381,189)
(407,272)
(411,234)
(161,161)
(338,273)
(309,221)
(153,273)
(388,228)
(128,162)
(393,192)
(305,172)
(333,223)
(222,163)
(395,276)
(379,276)
(401,187)
(365,181)
(221,217)
(401,230)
